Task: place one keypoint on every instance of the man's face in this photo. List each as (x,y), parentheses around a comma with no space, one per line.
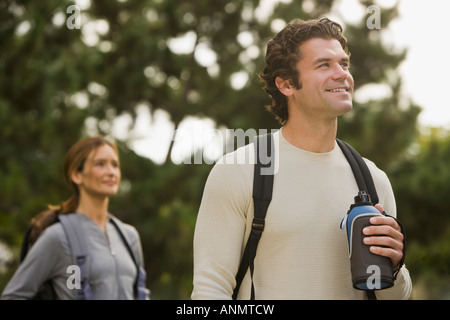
(326,83)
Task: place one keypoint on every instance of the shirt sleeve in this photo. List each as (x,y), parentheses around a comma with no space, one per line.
(44,261)
(219,231)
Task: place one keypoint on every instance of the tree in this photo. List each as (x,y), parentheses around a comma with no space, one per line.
(58,84)
(384,127)
(422,188)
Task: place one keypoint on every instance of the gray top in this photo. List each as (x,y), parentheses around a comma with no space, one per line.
(112,270)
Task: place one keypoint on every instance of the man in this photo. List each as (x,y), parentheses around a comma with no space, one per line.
(302,253)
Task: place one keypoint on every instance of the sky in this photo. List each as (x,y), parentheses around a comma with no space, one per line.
(421,28)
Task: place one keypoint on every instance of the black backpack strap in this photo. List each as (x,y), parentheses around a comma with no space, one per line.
(140,291)
(363,179)
(360,170)
(79,248)
(25,244)
(262,195)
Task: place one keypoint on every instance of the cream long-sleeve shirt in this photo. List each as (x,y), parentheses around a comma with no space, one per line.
(302,254)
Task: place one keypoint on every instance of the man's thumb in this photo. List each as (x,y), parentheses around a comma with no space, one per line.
(379,207)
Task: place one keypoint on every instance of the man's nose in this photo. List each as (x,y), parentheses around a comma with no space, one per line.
(340,73)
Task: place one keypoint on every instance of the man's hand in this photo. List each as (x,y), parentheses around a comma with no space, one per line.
(385,238)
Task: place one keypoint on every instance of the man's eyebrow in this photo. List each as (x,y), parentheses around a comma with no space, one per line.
(325,59)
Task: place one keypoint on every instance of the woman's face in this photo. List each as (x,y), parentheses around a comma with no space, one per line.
(101,174)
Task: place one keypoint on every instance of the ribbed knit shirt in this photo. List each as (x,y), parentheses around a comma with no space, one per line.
(303,253)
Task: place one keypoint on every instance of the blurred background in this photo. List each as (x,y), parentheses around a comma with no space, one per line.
(162,78)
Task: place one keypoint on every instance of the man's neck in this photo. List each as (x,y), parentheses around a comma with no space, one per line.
(316,137)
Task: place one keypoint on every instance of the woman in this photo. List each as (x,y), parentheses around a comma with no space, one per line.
(114,258)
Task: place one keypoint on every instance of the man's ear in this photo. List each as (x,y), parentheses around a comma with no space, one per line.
(284,86)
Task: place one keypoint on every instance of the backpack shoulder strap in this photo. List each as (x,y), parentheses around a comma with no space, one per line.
(363,179)
(360,170)
(140,291)
(77,241)
(262,195)
(25,244)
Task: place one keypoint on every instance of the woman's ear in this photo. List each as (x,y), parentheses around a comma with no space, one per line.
(284,86)
(76,177)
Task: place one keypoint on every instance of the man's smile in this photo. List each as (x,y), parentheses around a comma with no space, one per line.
(339,89)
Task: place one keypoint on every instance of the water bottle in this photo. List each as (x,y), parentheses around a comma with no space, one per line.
(369,271)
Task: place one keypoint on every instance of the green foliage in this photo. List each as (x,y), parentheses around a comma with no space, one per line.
(59,84)
(383,127)
(421,181)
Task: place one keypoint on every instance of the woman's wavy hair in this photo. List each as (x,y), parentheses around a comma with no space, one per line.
(283,54)
(74,161)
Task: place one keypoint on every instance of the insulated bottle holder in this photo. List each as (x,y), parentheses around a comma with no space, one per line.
(369,270)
